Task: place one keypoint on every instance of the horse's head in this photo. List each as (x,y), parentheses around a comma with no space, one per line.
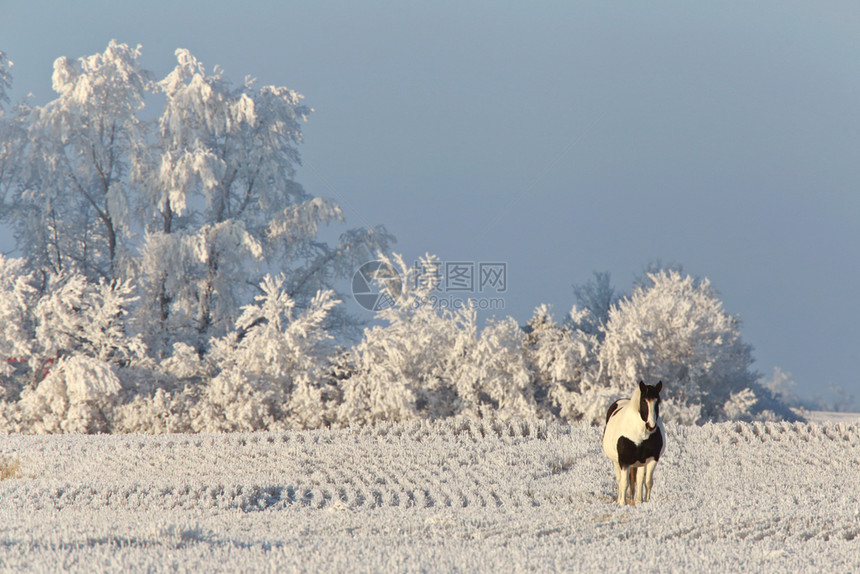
(649,404)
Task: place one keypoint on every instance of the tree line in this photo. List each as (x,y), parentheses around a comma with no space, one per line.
(172,278)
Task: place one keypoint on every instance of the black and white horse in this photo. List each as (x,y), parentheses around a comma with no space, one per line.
(634,438)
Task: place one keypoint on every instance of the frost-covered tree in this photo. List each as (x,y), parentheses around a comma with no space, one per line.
(78,317)
(195,206)
(564,362)
(64,353)
(5,80)
(71,195)
(494,378)
(273,367)
(403,369)
(73,317)
(677,331)
(17,340)
(596,298)
(222,205)
(219,172)
(425,362)
(13,139)
(73,397)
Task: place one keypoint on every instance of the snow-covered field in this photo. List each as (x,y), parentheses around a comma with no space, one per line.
(450,496)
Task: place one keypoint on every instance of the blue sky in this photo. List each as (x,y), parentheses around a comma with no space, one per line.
(561,138)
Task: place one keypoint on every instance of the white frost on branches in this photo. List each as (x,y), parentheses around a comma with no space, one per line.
(429,363)
(17,297)
(565,363)
(5,80)
(677,331)
(740,405)
(194,206)
(74,192)
(272,366)
(403,369)
(173,280)
(71,398)
(77,317)
(277,367)
(223,208)
(493,379)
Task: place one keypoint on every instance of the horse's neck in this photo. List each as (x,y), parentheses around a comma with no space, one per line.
(631,413)
(631,416)
(634,399)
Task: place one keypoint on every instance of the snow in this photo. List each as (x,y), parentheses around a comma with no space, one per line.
(827,416)
(449,496)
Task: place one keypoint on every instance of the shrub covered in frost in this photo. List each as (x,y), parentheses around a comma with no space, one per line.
(17,341)
(271,371)
(79,317)
(494,378)
(406,368)
(73,397)
(431,363)
(564,362)
(80,369)
(132,308)
(674,328)
(65,353)
(272,368)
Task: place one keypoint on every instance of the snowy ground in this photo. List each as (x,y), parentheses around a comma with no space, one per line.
(444,497)
(829,417)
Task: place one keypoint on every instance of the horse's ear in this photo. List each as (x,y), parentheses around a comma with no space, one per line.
(641,386)
(659,386)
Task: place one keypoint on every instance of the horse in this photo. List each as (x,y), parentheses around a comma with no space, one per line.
(634,438)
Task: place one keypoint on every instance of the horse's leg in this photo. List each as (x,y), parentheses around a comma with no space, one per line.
(637,493)
(631,484)
(649,478)
(621,477)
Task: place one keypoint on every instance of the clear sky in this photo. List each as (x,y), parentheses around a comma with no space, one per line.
(561,138)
